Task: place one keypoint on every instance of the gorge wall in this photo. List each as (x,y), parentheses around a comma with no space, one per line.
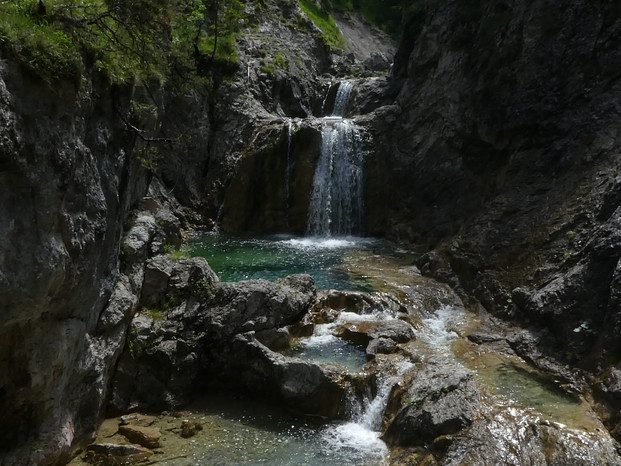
(501,152)
(68,180)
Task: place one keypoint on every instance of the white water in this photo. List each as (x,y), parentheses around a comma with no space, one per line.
(336,201)
(439,329)
(361,435)
(288,162)
(342,98)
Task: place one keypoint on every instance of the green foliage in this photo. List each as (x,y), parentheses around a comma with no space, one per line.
(278,62)
(155,314)
(384,14)
(39,45)
(181,253)
(322,19)
(124,39)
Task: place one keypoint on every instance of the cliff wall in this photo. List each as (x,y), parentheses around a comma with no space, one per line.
(68,180)
(502,155)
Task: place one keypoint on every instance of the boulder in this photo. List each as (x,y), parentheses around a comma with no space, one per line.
(381,345)
(174,350)
(442,399)
(302,386)
(361,333)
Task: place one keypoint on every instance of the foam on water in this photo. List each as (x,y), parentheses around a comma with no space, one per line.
(321,243)
(358,439)
(438,329)
(352,317)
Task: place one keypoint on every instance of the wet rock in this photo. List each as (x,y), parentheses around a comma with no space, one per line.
(521,436)
(442,399)
(362,303)
(381,345)
(480,338)
(361,333)
(302,386)
(190,428)
(111,454)
(137,420)
(148,437)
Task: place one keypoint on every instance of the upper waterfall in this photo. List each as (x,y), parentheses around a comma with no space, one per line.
(336,201)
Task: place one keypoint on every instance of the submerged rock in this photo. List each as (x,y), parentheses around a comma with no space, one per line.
(111,454)
(148,437)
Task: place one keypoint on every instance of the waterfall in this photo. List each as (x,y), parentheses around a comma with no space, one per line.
(336,201)
(362,433)
(342,98)
(288,165)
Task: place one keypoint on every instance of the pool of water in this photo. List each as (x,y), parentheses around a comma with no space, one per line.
(323,347)
(524,386)
(236,258)
(240,432)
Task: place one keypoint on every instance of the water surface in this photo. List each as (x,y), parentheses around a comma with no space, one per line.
(236,258)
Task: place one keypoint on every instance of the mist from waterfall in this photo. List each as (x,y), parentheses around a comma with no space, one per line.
(336,201)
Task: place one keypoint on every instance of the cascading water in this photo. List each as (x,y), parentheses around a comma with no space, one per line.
(288,166)
(336,201)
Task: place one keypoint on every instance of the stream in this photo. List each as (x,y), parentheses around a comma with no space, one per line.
(373,267)
(237,430)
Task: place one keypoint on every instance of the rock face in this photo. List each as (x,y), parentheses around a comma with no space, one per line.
(501,152)
(68,179)
(198,332)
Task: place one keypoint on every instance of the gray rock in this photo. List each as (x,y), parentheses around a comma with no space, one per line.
(176,349)
(166,277)
(442,399)
(381,345)
(302,386)
(362,333)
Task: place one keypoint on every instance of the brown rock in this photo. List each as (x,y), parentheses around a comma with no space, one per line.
(136,419)
(190,428)
(146,436)
(113,454)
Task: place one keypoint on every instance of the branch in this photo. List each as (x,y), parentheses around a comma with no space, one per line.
(138,132)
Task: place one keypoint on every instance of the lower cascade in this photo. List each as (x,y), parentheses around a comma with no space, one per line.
(336,200)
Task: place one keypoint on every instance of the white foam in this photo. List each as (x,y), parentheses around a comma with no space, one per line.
(357,438)
(320,243)
(438,329)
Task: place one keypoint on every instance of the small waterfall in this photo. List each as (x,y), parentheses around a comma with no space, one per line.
(336,201)
(342,98)
(288,166)
(362,433)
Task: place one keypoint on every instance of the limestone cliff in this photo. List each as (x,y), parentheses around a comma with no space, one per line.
(68,179)
(502,154)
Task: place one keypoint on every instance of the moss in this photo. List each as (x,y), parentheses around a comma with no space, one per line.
(322,19)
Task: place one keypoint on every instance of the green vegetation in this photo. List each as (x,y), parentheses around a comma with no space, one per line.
(324,22)
(278,62)
(383,14)
(124,39)
(182,253)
